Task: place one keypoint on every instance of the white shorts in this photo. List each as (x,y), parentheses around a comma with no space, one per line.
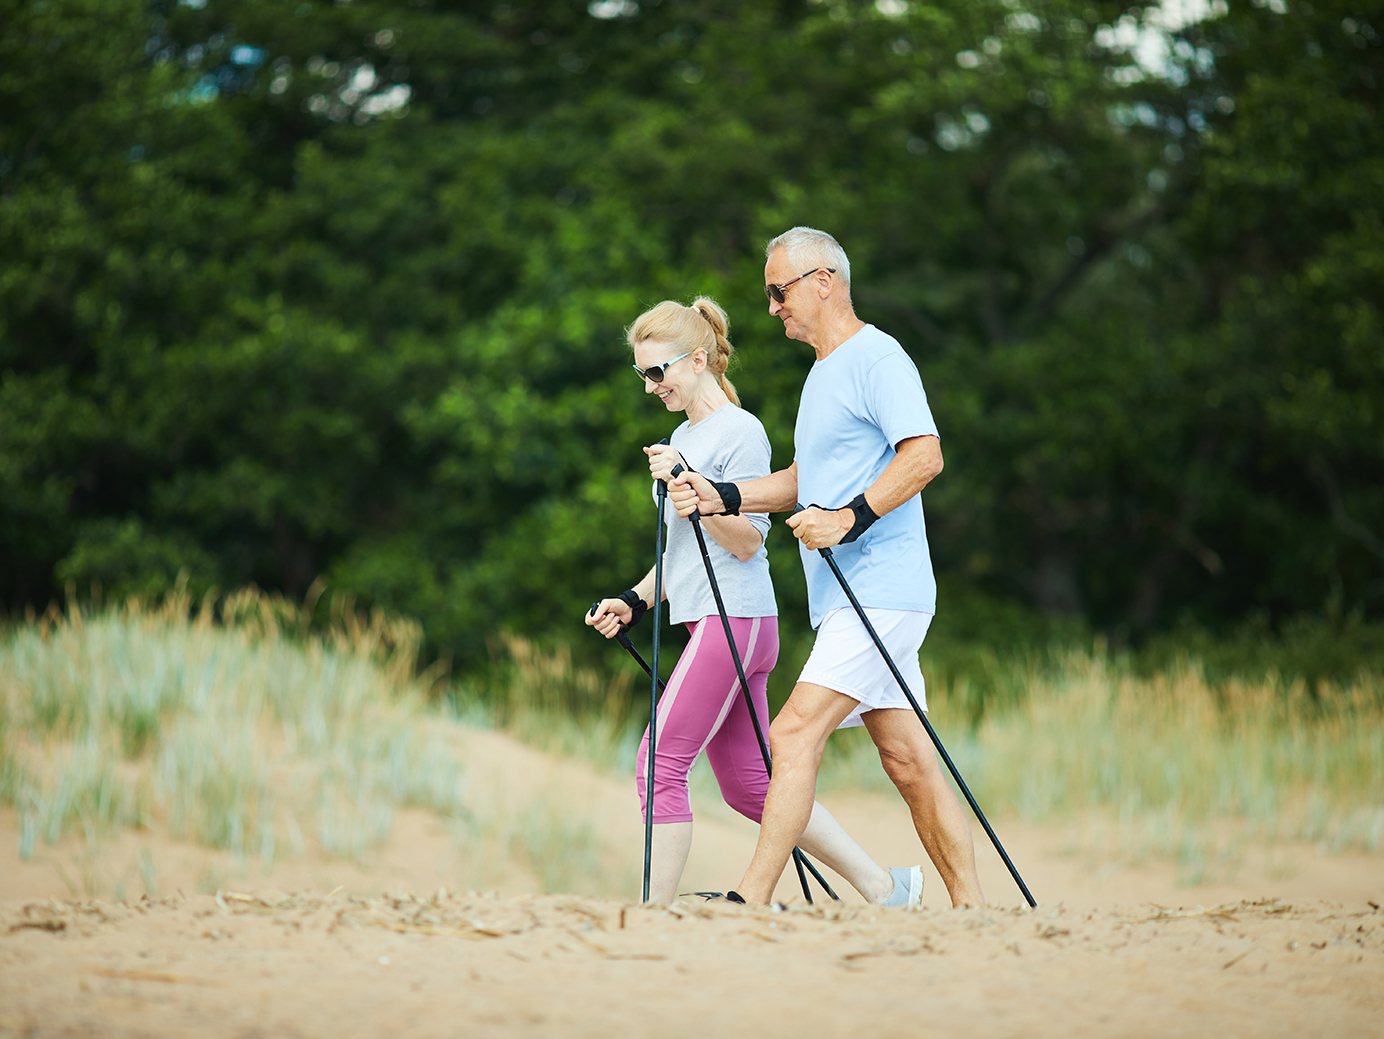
(845,659)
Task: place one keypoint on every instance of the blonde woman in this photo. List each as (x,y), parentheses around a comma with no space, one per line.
(681,354)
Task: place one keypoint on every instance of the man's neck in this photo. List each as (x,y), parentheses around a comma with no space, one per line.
(840,327)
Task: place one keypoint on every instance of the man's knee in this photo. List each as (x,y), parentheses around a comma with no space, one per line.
(792,735)
(787,740)
(799,733)
(908,764)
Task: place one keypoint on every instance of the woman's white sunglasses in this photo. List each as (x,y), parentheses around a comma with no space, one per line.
(655,372)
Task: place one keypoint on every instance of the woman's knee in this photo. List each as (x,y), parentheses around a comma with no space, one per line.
(748,803)
(671,801)
(671,794)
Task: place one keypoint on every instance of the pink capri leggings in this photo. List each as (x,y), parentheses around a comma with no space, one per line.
(703,708)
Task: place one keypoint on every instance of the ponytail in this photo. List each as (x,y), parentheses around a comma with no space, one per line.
(721,350)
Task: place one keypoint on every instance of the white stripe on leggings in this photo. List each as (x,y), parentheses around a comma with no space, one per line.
(674,686)
(729,701)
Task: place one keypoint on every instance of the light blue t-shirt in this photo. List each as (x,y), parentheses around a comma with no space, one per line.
(858,403)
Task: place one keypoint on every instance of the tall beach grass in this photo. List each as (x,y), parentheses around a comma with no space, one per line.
(237,725)
(236,730)
(1169,765)
(1180,763)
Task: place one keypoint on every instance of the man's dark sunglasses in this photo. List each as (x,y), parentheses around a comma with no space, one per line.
(775,292)
(655,372)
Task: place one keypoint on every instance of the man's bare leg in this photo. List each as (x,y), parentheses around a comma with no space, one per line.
(910,762)
(797,738)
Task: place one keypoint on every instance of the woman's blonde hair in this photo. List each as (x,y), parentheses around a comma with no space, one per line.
(703,326)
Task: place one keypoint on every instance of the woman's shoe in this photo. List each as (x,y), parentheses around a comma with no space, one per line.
(908,887)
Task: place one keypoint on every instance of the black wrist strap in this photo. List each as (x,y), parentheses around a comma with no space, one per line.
(730,497)
(864,517)
(636,604)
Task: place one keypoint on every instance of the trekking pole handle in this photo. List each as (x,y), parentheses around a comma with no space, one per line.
(622,637)
(826,552)
(592,612)
(662,485)
(696,516)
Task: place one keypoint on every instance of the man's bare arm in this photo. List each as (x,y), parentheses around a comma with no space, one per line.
(917,462)
(777,492)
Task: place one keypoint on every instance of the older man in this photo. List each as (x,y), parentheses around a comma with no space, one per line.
(865,446)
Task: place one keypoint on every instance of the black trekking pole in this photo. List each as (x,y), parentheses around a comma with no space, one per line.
(922,717)
(622,637)
(799,859)
(662,491)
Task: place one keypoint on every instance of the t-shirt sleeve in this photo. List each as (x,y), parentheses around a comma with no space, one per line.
(747,457)
(895,400)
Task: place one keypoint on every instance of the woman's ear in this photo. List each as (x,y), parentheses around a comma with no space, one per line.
(700,359)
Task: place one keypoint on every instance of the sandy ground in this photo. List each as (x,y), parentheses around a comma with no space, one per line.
(1290,943)
(241,965)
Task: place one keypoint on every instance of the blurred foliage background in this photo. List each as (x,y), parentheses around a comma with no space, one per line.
(294,289)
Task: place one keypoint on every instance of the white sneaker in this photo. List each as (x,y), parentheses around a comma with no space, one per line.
(908,887)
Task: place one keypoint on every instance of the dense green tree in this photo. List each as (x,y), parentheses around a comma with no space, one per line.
(298,289)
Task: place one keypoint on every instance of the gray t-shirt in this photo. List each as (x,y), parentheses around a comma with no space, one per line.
(728,445)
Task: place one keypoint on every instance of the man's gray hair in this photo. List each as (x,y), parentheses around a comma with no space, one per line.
(806,247)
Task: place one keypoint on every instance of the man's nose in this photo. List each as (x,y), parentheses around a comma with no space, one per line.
(774,306)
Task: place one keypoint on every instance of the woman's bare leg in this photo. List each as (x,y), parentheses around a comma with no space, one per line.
(824,839)
(672,843)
